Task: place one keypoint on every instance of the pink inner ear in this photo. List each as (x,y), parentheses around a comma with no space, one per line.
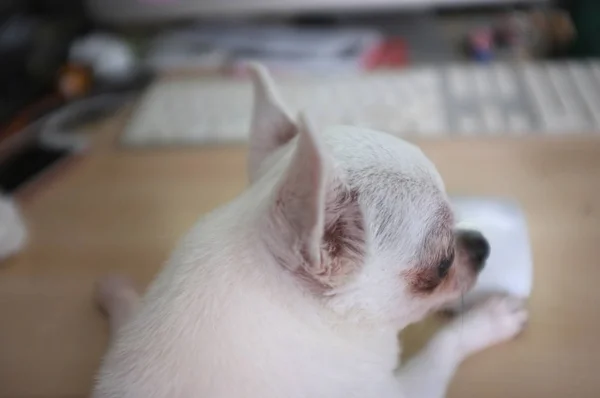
(316,226)
(344,241)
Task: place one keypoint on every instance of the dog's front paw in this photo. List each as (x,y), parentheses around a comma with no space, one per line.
(497,319)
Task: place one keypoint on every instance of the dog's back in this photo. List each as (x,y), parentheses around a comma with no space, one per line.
(218,323)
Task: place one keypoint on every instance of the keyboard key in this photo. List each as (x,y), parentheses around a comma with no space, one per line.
(588,88)
(493,118)
(469,125)
(459,82)
(506,81)
(518,123)
(482,79)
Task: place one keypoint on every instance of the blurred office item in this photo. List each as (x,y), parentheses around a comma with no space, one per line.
(46,95)
(32,50)
(586,18)
(146,11)
(280,47)
(50,138)
(540,33)
(551,32)
(35,37)
(110,57)
(480,44)
(13,232)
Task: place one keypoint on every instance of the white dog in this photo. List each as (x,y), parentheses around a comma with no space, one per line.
(13,234)
(299,287)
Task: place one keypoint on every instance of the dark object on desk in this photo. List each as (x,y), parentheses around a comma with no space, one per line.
(35,149)
(27,164)
(586,17)
(35,36)
(33,47)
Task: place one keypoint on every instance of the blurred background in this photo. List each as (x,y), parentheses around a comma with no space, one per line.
(469,67)
(123,121)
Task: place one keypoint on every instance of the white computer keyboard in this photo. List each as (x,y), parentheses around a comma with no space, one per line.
(534,98)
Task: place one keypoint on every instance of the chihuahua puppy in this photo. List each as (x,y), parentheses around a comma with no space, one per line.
(13,234)
(298,288)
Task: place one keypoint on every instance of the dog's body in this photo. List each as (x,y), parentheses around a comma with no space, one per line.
(299,287)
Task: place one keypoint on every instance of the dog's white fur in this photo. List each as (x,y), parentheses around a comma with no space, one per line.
(298,287)
(13,234)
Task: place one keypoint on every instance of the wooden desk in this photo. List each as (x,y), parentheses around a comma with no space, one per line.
(124,210)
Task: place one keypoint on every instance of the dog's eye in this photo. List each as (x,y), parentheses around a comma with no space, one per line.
(444,266)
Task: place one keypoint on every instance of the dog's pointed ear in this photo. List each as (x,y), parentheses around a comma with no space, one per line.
(272,125)
(316,228)
(302,195)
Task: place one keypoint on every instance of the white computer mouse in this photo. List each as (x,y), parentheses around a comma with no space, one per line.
(509,268)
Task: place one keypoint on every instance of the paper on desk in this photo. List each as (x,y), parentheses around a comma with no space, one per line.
(280,47)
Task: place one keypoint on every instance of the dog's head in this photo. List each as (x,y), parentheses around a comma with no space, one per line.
(361,218)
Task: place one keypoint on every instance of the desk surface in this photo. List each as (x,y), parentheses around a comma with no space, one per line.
(122,210)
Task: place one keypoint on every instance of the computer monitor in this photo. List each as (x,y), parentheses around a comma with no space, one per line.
(131,11)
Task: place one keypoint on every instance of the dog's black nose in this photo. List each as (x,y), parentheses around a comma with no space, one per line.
(478,248)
